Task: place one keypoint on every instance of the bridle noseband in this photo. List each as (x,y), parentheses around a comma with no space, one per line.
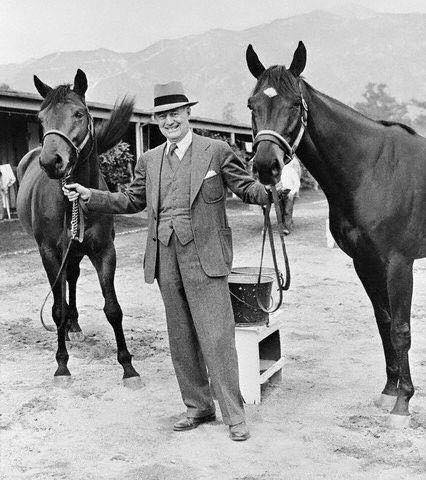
(275,137)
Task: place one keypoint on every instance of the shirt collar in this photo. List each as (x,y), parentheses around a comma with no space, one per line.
(182,145)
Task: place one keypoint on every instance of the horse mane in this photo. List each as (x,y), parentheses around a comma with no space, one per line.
(110,131)
(388,123)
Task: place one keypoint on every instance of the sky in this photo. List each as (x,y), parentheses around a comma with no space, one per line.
(35,28)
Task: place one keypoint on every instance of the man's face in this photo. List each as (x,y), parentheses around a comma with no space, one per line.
(174,124)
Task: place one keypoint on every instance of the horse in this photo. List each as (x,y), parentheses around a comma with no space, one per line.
(70,147)
(374,177)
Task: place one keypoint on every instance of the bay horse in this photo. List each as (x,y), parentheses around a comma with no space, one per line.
(374,177)
(72,144)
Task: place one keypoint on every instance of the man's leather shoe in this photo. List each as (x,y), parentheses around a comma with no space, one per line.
(239,432)
(189,423)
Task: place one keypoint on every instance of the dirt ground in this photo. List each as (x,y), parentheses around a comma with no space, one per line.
(320,422)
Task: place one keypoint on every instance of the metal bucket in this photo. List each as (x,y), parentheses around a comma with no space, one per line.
(242,288)
(269,271)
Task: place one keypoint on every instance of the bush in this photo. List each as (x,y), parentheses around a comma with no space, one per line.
(115,165)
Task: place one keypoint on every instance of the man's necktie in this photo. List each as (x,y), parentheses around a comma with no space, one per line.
(172,157)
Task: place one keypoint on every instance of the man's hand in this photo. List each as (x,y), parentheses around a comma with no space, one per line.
(281,191)
(75,190)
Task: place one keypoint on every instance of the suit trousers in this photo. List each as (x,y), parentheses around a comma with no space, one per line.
(201,330)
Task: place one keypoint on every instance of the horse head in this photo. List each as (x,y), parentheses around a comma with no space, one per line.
(67,125)
(279,114)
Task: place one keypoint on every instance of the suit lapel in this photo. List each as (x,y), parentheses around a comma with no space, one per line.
(201,157)
(157,161)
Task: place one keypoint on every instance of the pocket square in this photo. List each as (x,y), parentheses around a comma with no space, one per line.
(210,173)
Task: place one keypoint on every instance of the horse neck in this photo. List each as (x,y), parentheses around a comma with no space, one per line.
(338,143)
(88,173)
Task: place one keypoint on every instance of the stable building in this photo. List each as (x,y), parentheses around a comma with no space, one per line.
(20,130)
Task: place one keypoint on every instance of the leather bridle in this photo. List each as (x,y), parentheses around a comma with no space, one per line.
(275,137)
(77,148)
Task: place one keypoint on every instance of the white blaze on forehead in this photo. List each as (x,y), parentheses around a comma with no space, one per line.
(271,92)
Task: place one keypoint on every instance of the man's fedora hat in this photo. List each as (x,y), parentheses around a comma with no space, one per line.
(168,96)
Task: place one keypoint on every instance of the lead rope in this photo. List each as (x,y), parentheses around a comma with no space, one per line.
(77,233)
(267,230)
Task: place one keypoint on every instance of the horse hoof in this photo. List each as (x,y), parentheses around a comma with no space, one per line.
(63,381)
(398,421)
(76,336)
(386,402)
(133,383)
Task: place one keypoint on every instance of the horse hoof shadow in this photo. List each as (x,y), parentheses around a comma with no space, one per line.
(385,402)
(62,381)
(398,422)
(133,383)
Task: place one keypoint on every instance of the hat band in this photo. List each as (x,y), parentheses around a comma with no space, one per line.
(167,99)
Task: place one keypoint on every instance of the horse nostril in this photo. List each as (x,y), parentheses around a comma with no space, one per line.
(58,160)
(275,168)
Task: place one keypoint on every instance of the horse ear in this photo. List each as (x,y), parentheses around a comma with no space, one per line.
(80,83)
(299,60)
(41,87)
(254,64)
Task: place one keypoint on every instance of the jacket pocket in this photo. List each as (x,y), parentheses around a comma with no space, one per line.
(225,235)
(212,189)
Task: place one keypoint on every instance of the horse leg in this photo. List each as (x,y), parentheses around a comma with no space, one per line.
(284,214)
(400,291)
(288,212)
(73,272)
(51,264)
(373,277)
(105,263)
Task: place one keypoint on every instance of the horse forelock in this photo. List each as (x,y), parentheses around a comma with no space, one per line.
(59,94)
(279,78)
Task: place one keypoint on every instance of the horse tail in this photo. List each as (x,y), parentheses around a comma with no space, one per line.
(109,133)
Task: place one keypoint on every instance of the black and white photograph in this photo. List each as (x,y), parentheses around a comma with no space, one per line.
(213,240)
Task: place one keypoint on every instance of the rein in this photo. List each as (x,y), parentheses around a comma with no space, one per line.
(267,230)
(289,152)
(77,219)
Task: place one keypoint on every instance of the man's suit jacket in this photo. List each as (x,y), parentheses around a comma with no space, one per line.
(214,167)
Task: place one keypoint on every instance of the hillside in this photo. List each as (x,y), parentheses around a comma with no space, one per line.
(347,48)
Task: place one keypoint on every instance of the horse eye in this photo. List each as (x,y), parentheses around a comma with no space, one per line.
(78,115)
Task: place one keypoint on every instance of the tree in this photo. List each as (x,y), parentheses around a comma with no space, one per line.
(420,119)
(115,166)
(228,113)
(4,87)
(379,105)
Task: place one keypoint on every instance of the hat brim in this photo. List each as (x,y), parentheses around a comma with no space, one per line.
(171,106)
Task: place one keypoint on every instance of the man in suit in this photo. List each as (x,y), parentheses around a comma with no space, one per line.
(182,183)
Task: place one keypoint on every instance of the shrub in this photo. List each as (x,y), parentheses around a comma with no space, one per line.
(115,165)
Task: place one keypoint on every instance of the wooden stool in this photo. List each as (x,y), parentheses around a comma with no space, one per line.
(259,356)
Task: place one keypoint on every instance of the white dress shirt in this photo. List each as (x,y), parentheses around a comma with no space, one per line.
(181,146)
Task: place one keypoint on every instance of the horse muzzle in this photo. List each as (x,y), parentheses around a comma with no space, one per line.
(268,163)
(54,165)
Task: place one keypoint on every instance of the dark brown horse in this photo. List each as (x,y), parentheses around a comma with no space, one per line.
(71,146)
(374,177)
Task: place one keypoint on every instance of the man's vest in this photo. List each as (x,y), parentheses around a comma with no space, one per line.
(175,189)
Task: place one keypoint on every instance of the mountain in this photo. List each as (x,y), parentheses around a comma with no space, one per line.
(347,48)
